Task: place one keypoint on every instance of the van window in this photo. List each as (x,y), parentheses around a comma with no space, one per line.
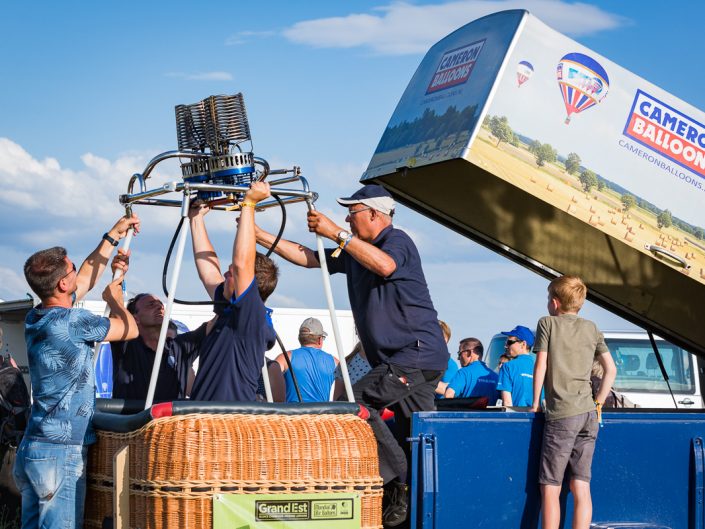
(494,351)
(638,369)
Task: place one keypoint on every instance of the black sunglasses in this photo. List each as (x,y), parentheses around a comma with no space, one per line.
(509,343)
(73,269)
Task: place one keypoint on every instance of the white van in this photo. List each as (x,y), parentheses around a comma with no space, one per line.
(286,322)
(638,374)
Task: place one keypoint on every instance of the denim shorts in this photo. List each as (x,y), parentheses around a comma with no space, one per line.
(52,480)
(568,443)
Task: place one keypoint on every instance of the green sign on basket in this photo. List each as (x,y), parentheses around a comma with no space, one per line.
(286,511)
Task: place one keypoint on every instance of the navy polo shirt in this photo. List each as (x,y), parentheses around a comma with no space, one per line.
(232,355)
(133,361)
(394,315)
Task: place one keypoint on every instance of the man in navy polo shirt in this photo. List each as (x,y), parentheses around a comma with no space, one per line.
(232,354)
(395,318)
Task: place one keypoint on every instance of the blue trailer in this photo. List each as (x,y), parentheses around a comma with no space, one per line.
(494,112)
(479,468)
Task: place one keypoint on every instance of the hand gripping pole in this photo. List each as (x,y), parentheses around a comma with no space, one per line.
(106,312)
(331,309)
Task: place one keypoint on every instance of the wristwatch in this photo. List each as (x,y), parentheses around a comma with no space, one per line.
(343,236)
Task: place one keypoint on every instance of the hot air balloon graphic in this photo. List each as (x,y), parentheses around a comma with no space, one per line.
(524,71)
(583,82)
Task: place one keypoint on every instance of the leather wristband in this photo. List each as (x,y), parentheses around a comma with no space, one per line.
(108,238)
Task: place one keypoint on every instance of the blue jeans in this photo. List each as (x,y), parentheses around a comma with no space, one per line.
(52,480)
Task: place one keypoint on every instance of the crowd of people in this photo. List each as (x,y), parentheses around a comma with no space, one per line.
(401,365)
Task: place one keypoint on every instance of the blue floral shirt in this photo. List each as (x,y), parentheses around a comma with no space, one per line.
(60,345)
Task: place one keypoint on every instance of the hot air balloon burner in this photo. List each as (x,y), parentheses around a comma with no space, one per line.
(217,160)
(217,127)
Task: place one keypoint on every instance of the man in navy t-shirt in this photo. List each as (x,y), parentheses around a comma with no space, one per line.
(232,354)
(394,315)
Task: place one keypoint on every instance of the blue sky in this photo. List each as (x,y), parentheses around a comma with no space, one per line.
(88,90)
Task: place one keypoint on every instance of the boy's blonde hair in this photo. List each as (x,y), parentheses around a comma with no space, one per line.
(570,291)
(446,330)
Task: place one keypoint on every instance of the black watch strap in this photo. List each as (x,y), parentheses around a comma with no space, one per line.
(108,238)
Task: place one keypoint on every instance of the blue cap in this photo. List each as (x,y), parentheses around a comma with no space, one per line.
(373,196)
(523,333)
(367,191)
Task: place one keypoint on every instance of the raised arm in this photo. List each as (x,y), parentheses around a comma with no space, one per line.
(368,255)
(122,325)
(245,245)
(93,267)
(207,262)
(291,251)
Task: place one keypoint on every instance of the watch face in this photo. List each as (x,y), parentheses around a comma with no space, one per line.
(343,234)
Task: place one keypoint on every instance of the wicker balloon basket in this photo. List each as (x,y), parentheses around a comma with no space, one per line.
(178,463)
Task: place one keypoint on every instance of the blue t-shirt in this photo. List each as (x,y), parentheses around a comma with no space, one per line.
(60,345)
(315,373)
(475,380)
(451,370)
(394,315)
(517,377)
(232,355)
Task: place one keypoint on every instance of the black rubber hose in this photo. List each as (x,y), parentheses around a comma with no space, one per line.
(165,271)
(173,242)
(291,369)
(281,228)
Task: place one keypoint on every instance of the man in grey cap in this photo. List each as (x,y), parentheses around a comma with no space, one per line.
(314,369)
(395,318)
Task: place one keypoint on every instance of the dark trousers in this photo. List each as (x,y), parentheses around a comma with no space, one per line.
(404,391)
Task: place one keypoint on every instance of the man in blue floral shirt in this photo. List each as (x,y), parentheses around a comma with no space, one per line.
(50,469)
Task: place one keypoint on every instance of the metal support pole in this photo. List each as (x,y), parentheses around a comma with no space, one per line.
(331,309)
(267,383)
(170,300)
(106,312)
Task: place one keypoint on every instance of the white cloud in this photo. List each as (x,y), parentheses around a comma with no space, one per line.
(202,76)
(12,284)
(33,185)
(244,36)
(281,300)
(402,28)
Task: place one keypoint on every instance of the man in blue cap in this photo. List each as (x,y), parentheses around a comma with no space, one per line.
(516,378)
(395,318)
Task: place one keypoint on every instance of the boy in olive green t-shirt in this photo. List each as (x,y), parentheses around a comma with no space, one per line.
(565,347)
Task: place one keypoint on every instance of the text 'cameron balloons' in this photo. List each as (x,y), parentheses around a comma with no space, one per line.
(524,71)
(583,82)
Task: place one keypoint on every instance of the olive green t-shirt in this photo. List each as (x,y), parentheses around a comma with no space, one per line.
(572,343)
